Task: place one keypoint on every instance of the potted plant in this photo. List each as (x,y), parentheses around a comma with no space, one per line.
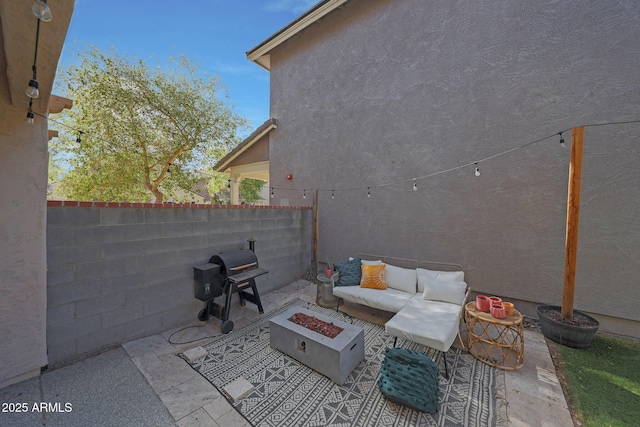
(329,269)
(563,324)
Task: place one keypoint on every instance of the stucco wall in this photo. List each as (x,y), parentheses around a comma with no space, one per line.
(117,273)
(384,91)
(23,185)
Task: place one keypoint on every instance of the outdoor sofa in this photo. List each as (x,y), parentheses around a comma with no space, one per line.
(427,297)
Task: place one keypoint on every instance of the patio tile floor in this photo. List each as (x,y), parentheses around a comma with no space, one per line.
(530,396)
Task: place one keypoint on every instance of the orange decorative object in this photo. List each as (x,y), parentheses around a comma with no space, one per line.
(508,308)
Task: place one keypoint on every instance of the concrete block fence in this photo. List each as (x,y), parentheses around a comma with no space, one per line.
(120,271)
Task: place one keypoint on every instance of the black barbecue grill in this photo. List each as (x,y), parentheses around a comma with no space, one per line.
(227,273)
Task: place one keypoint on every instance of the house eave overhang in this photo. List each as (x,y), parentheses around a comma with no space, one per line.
(261,53)
(265,128)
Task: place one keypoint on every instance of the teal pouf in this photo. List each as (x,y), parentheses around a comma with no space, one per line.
(409,378)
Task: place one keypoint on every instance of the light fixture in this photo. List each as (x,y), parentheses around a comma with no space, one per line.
(29,120)
(304,194)
(477,169)
(333,196)
(368,192)
(562,144)
(415,186)
(32,89)
(272,192)
(42,11)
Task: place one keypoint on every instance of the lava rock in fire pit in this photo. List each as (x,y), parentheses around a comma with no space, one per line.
(328,329)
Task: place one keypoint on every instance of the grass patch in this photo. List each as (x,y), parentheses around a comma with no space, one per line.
(603,381)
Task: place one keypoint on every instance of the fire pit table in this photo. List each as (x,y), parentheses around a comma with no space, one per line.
(334,357)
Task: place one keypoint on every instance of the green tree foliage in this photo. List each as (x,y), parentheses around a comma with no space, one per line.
(250,189)
(147,132)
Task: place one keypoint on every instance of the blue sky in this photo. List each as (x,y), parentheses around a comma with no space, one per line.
(214,33)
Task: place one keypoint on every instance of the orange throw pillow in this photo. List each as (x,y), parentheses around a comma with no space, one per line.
(373,277)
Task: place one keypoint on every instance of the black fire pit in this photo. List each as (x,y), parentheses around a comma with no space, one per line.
(227,273)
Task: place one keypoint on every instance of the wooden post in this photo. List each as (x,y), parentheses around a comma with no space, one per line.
(314,259)
(573,216)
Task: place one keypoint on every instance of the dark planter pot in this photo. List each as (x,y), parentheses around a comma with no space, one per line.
(564,333)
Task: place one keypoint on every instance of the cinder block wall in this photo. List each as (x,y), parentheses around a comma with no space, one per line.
(119,271)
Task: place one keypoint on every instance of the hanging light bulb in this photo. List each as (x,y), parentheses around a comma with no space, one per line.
(477,169)
(272,192)
(415,186)
(32,90)
(562,144)
(168,170)
(29,120)
(79,138)
(368,192)
(304,194)
(42,11)
(333,196)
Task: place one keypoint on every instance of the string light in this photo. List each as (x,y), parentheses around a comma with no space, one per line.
(304,194)
(79,138)
(562,144)
(29,120)
(168,165)
(42,11)
(477,169)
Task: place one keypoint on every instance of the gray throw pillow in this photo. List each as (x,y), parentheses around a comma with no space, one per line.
(350,273)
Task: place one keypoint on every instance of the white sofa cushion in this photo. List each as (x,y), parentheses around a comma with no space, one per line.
(402,279)
(444,290)
(423,274)
(388,300)
(431,323)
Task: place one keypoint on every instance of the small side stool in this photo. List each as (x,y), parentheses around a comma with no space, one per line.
(409,378)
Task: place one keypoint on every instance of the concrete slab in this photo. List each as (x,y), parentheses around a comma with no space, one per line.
(238,389)
(104,390)
(21,397)
(194,354)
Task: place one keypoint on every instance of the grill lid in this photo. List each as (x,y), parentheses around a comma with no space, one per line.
(235,262)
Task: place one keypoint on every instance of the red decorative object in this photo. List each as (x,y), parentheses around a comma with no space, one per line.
(328,272)
(289,176)
(497,310)
(328,329)
(482,303)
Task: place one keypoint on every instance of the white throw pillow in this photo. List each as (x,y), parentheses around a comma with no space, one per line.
(402,279)
(423,274)
(444,290)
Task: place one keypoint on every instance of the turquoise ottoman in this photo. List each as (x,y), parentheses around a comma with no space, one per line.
(409,378)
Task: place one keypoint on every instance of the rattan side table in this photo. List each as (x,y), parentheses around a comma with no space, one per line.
(496,342)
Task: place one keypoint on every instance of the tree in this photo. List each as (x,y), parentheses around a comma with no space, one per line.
(141,132)
(250,189)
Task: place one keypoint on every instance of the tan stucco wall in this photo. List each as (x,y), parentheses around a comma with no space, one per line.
(383,91)
(23,287)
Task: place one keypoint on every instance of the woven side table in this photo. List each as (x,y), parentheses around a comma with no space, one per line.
(496,342)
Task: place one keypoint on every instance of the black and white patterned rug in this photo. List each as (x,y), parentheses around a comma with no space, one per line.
(288,393)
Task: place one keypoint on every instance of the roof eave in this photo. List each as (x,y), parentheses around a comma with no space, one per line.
(261,53)
(264,129)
